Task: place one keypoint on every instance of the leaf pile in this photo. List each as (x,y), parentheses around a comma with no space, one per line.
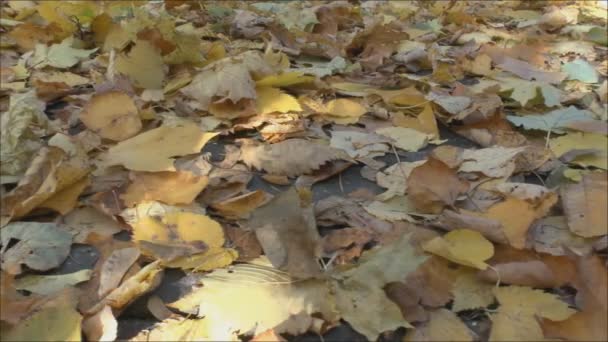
(262,170)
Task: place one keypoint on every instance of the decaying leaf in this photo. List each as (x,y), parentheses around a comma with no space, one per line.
(112,115)
(287,232)
(359,295)
(433,185)
(462,246)
(57,323)
(290,158)
(470,292)
(101,326)
(584,204)
(178,187)
(114,268)
(287,304)
(45,285)
(40,246)
(443,325)
(241,206)
(152,150)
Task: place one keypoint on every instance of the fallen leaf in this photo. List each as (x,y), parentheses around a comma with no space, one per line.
(114,268)
(581,70)
(45,285)
(525,301)
(21,128)
(359,291)
(289,239)
(443,325)
(462,246)
(55,323)
(212,258)
(176,330)
(555,121)
(394,178)
(493,162)
(143,65)
(112,115)
(552,235)
(405,138)
(166,186)
(394,209)
(584,204)
(60,56)
(175,228)
(250,287)
(583,141)
(533,273)
(272,100)
(41,246)
(101,326)
(82,222)
(470,292)
(157,308)
(152,150)
(210,82)
(290,157)
(589,323)
(142,282)
(241,206)
(343,111)
(65,200)
(528,71)
(433,185)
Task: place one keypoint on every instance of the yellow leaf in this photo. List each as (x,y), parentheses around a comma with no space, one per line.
(215,257)
(143,65)
(583,141)
(408,97)
(470,292)
(443,325)
(462,246)
(272,100)
(405,138)
(241,206)
(152,150)
(345,108)
(425,122)
(60,323)
(528,301)
(509,327)
(285,79)
(65,200)
(169,187)
(516,216)
(112,115)
(179,227)
(62,12)
(352,89)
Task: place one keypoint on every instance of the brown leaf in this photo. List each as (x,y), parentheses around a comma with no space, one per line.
(166,186)
(241,206)
(433,185)
(585,205)
(590,323)
(114,268)
(290,158)
(288,235)
(112,115)
(533,273)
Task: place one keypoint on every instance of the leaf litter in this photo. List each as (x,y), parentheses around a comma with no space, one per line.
(396,170)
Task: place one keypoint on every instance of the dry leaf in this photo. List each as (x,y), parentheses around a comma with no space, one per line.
(272,100)
(152,150)
(287,232)
(359,292)
(112,115)
(143,65)
(405,138)
(101,326)
(290,158)
(443,325)
(82,222)
(433,185)
(493,162)
(584,204)
(114,268)
(462,246)
(168,187)
(241,206)
(533,273)
(470,292)
(287,304)
(55,323)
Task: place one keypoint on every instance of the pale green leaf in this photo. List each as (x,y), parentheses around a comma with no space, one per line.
(555,121)
(581,70)
(47,284)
